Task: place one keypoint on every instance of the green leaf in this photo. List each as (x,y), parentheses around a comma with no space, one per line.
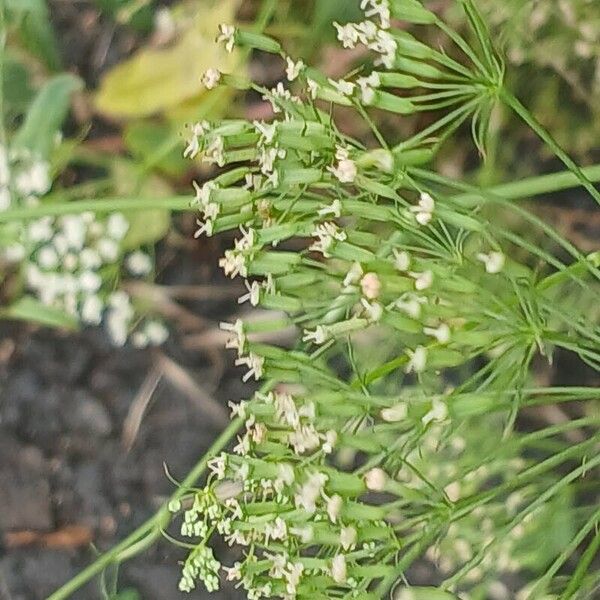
(156,80)
(35,28)
(46,115)
(143,138)
(29,309)
(17,92)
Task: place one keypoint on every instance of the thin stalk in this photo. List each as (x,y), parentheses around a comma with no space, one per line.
(546,137)
(586,560)
(149,531)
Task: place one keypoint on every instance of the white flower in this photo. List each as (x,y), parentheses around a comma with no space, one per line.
(218,466)
(410,304)
(91,310)
(438,412)
(346,88)
(117,226)
(40,230)
(108,249)
(238,410)
(211,78)
(293,576)
(370,286)
(367,86)
(338,568)
(74,230)
(494,261)
(193,145)
(417,360)
(89,281)
(373,310)
(313,88)
(394,414)
(139,263)
(348,537)
(227,35)
(267,131)
(255,366)
(267,158)
(89,258)
(326,233)
(276,530)
(47,257)
(354,274)
(293,69)
(5,199)
(318,336)
(330,441)
(238,342)
(285,472)
(279,92)
(234,264)
(13,253)
(304,439)
(215,152)
(310,492)
(424,210)
(156,332)
(379,8)
(234,573)
(34,181)
(345,170)
(347,34)
(440,333)
(334,507)
(334,209)
(384,44)
(423,280)
(401,260)
(253,295)
(376,479)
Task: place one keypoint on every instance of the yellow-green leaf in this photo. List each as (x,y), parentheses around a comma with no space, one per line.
(159,79)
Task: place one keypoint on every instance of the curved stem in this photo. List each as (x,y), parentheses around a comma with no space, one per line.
(149,531)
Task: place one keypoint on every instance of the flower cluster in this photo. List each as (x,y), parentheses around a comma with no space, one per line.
(353,458)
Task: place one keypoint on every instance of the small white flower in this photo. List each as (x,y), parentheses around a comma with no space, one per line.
(345,170)
(218,466)
(330,441)
(334,507)
(338,568)
(401,260)
(310,492)
(318,336)
(440,333)
(494,261)
(91,310)
(199,130)
(417,360)
(255,366)
(47,258)
(34,181)
(346,88)
(423,280)
(267,131)
(139,263)
(108,249)
(227,35)
(334,209)
(326,233)
(156,332)
(313,88)
(378,8)
(347,34)
(293,69)
(376,479)
(238,342)
(354,275)
(40,230)
(373,310)
(276,530)
(5,199)
(234,573)
(424,210)
(394,414)
(253,295)
(215,152)
(74,230)
(371,286)
(89,258)
(348,537)
(367,86)
(89,281)
(117,226)
(410,304)
(211,78)
(438,412)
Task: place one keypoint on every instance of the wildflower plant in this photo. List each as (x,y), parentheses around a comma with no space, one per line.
(388,433)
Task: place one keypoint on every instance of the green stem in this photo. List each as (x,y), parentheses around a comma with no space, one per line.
(546,137)
(149,531)
(586,560)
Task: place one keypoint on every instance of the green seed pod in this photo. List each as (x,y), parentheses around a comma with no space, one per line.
(357,511)
(410,46)
(231,197)
(351,252)
(231,177)
(277,302)
(413,158)
(392,103)
(418,68)
(398,80)
(258,41)
(366,210)
(227,222)
(236,82)
(294,281)
(291,177)
(401,322)
(275,263)
(345,484)
(459,220)
(375,187)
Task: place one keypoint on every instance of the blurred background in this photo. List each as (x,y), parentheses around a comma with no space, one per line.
(91,435)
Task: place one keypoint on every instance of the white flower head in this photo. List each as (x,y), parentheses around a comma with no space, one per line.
(438,412)
(139,263)
(255,366)
(310,491)
(440,333)
(354,275)
(318,336)
(117,226)
(347,34)
(313,88)
(227,36)
(334,209)
(373,310)
(371,286)
(326,234)
(293,69)
(424,209)
(334,507)
(348,537)
(367,86)
(394,414)
(417,360)
(338,568)
(346,88)
(267,131)
(345,170)
(494,261)
(376,479)
(211,78)
(253,295)
(423,280)
(401,260)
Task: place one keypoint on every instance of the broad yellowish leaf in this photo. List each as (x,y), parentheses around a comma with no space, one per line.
(159,79)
